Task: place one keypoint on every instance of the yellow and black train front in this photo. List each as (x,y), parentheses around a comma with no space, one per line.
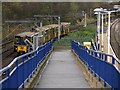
(20,46)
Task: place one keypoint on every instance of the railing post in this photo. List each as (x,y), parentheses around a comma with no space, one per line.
(105,57)
(99,55)
(27,67)
(17,72)
(23,72)
(8,74)
(102,56)
(31,65)
(35,61)
(113,60)
(105,84)
(95,54)
(91,52)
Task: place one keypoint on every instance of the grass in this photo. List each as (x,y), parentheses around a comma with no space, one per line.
(83,34)
(87,32)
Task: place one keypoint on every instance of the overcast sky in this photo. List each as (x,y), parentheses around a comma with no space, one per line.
(59,0)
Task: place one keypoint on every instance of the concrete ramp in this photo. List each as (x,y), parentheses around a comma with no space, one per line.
(62,71)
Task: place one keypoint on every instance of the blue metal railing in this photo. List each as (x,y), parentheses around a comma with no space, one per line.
(23,67)
(97,63)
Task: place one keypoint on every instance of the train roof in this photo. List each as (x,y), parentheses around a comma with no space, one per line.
(65,23)
(44,28)
(53,25)
(47,27)
(29,34)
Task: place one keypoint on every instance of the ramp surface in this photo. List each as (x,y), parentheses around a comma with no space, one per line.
(62,71)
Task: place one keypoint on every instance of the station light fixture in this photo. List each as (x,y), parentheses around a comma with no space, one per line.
(98,12)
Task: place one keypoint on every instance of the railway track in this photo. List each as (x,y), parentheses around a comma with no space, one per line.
(115,37)
(8,59)
(6,47)
(7,53)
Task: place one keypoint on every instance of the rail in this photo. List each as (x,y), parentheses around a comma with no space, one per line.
(97,63)
(23,67)
(114,41)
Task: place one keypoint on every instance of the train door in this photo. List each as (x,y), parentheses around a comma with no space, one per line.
(55,35)
(30,48)
(43,33)
(49,34)
(56,31)
(62,31)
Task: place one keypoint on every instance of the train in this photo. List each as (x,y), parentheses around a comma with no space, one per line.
(23,42)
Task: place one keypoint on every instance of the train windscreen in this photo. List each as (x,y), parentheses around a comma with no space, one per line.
(19,40)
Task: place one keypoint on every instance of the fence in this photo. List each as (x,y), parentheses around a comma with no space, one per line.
(97,63)
(23,67)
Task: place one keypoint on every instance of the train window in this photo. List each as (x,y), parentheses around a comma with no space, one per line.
(57,30)
(31,39)
(22,41)
(52,32)
(19,40)
(47,33)
(62,29)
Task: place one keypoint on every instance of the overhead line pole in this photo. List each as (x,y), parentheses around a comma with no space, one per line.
(98,31)
(109,32)
(51,16)
(102,46)
(35,38)
(109,22)
(58,28)
(85,20)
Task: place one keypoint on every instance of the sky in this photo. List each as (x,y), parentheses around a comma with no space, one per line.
(59,0)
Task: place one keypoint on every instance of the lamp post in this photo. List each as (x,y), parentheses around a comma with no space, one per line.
(84,15)
(108,33)
(98,12)
(85,24)
(102,46)
(98,30)
(58,28)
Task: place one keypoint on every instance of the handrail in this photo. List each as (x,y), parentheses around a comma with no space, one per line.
(99,52)
(97,63)
(7,67)
(29,60)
